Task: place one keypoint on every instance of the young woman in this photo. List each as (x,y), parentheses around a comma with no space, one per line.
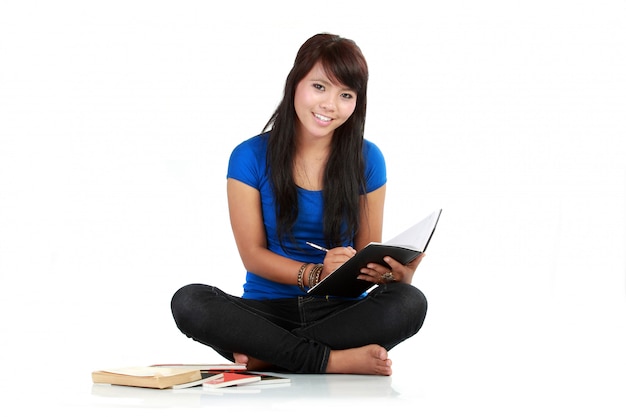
(309,177)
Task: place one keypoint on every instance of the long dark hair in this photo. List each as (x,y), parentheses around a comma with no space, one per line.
(344,177)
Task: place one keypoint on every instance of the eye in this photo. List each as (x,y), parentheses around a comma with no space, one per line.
(347,96)
(318,86)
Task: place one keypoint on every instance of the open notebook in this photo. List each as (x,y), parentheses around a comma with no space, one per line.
(404,248)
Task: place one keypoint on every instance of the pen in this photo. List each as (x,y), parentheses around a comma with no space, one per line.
(313,245)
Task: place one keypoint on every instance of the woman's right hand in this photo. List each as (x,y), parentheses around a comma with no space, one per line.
(336,257)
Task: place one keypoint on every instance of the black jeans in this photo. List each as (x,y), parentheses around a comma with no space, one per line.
(297,334)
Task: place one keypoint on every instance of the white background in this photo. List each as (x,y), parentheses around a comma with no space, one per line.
(117,119)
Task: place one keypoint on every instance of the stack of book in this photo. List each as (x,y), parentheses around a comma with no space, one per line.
(179,376)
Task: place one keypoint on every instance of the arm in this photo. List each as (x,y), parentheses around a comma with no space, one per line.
(373,233)
(371,229)
(244,206)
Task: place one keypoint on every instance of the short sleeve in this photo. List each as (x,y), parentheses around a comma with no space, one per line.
(375,167)
(247,162)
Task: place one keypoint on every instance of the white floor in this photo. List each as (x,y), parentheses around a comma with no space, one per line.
(311,391)
(582,393)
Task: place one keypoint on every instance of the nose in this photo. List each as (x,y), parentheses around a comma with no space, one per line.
(328,105)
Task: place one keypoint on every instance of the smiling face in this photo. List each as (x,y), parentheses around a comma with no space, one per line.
(322,105)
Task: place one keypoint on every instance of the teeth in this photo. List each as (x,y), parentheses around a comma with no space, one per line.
(322,118)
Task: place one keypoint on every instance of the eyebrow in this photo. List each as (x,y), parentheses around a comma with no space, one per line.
(321,80)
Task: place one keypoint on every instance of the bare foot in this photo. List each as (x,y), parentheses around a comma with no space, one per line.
(252,364)
(365,360)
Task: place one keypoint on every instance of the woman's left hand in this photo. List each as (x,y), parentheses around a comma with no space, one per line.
(382,274)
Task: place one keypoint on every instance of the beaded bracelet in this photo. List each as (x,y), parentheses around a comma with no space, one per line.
(314,275)
(301,275)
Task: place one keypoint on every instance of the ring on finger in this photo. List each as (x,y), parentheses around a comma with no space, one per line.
(387,276)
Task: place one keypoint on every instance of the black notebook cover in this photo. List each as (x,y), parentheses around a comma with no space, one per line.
(404,248)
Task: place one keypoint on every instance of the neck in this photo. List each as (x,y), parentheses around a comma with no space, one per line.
(306,139)
(309,166)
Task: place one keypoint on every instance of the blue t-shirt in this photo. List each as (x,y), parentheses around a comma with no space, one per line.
(248,164)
